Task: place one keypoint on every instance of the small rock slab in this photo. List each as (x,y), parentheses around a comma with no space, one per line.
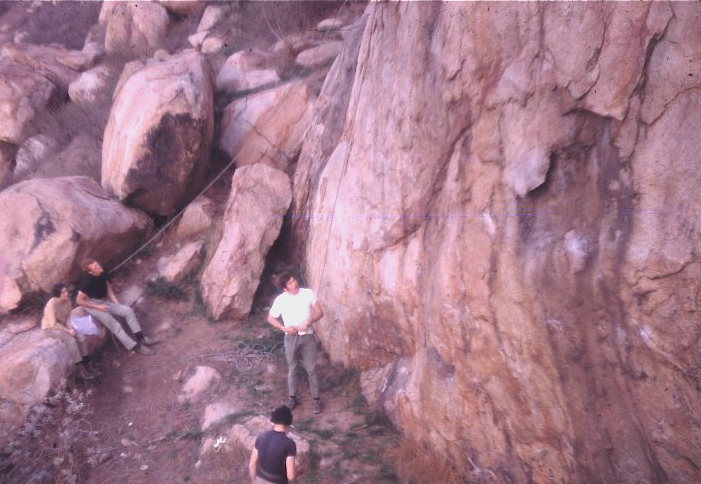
(204,378)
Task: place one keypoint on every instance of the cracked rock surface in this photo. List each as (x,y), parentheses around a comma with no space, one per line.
(504,222)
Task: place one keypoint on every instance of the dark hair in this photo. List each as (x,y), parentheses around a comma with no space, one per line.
(283,279)
(56,290)
(282,416)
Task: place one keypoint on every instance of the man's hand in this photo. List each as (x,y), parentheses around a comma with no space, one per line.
(71,331)
(304,325)
(289,329)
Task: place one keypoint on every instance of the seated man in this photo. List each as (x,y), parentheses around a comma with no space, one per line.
(55,322)
(96,295)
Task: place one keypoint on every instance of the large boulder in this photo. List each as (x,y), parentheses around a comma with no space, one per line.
(24,93)
(196,219)
(508,247)
(58,64)
(213,15)
(157,140)
(33,364)
(134,28)
(246,69)
(267,127)
(320,55)
(91,85)
(260,196)
(182,264)
(32,153)
(48,225)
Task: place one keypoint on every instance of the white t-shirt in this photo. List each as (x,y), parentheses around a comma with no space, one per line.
(294,309)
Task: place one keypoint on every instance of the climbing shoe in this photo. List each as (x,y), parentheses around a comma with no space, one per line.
(317,406)
(143,350)
(145,340)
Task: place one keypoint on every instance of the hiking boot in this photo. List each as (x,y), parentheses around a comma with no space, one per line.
(292,402)
(84,373)
(317,406)
(143,350)
(148,341)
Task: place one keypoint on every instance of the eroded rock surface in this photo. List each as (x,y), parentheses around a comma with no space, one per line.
(157,140)
(33,364)
(267,127)
(24,93)
(183,264)
(196,219)
(204,379)
(47,225)
(517,233)
(260,196)
(58,64)
(134,28)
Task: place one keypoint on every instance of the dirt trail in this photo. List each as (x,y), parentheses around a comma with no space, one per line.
(147,436)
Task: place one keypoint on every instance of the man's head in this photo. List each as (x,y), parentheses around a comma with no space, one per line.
(91,266)
(288,283)
(282,416)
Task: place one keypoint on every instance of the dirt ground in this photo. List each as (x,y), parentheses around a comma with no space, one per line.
(147,436)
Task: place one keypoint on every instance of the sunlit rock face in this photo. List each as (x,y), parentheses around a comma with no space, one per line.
(157,140)
(47,226)
(501,218)
(260,196)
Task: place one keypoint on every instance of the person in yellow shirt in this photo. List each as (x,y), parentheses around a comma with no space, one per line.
(54,321)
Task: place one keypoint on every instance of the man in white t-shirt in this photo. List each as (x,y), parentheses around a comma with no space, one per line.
(298,309)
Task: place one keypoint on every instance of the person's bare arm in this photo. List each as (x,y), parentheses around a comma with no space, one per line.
(110,294)
(275,323)
(83,300)
(290,466)
(317,314)
(252,464)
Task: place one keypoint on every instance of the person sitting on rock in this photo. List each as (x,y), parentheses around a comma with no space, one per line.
(299,309)
(55,320)
(274,453)
(95,294)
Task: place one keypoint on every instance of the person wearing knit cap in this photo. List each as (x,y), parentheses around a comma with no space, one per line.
(273,456)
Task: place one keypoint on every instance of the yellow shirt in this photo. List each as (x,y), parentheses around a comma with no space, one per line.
(56,313)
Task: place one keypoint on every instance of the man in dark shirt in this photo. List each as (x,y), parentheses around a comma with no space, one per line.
(96,295)
(273,457)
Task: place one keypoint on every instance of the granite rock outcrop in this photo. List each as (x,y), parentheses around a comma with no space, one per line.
(507,193)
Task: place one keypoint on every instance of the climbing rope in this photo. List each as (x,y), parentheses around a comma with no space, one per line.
(175,217)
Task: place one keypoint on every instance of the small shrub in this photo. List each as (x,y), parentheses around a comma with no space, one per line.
(56,443)
(359,405)
(161,287)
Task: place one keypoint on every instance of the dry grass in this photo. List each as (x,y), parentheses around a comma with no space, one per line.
(57,443)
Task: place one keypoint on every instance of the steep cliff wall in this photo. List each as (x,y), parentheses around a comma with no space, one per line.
(502,220)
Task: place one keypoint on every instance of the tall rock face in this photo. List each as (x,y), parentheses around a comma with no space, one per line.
(503,224)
